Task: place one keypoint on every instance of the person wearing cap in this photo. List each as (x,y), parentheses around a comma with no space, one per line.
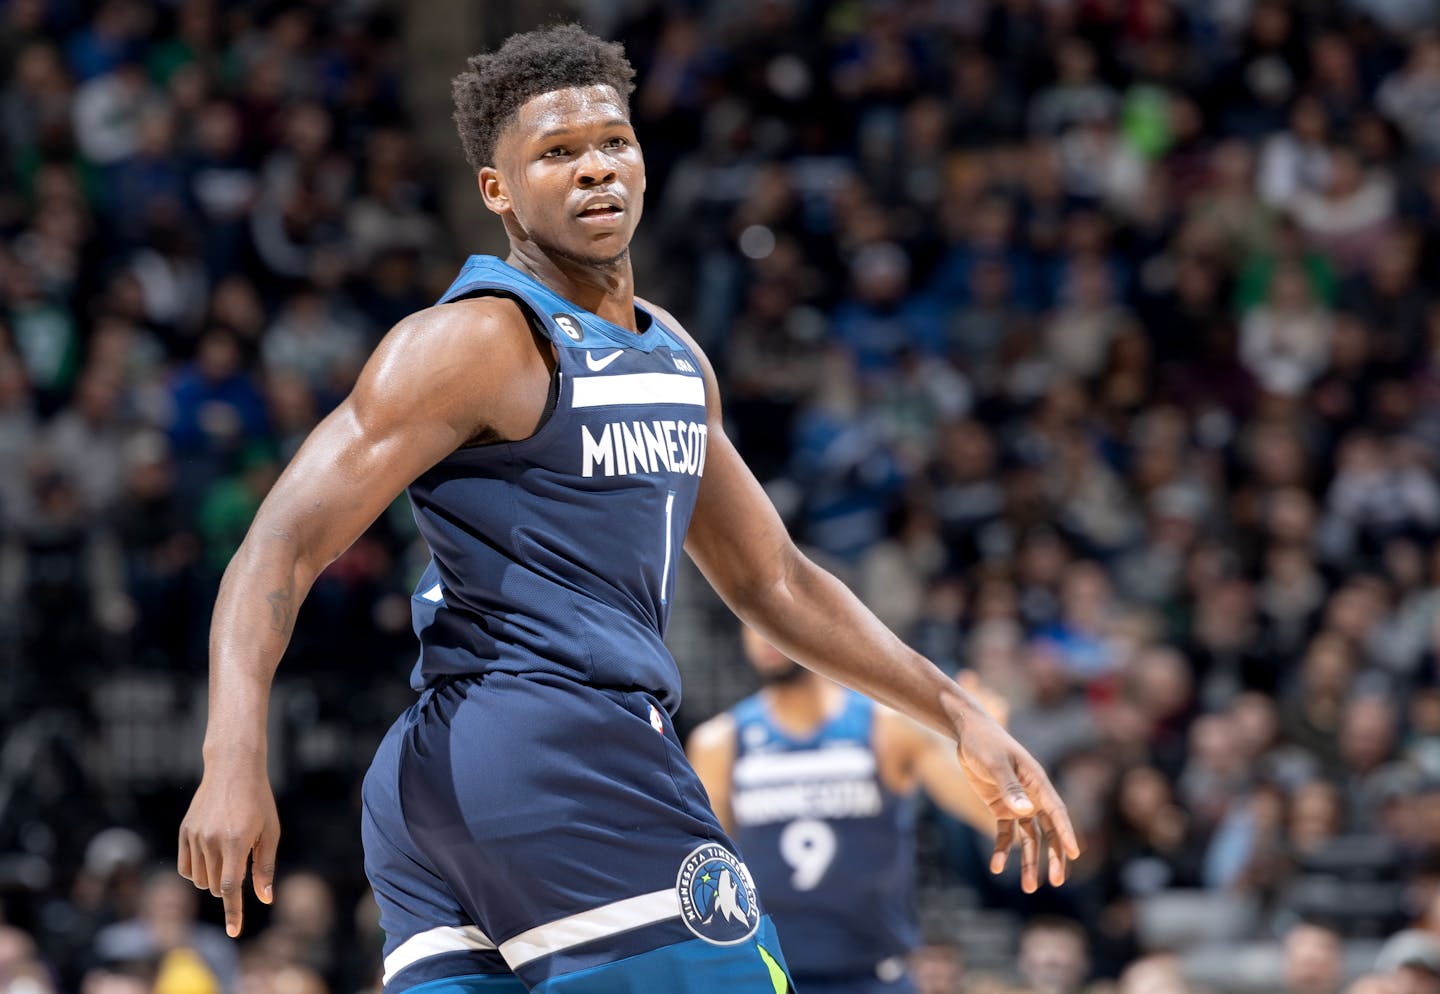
(1411,961)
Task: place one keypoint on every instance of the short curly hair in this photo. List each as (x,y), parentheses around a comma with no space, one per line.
(490,93)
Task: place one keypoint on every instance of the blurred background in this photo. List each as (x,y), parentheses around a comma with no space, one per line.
(1094,342)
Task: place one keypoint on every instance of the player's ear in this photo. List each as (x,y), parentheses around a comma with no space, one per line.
(492,190)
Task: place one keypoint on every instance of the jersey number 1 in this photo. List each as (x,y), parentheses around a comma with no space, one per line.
(669,551)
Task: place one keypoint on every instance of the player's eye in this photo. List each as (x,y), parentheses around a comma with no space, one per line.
(555,153)
(617,142)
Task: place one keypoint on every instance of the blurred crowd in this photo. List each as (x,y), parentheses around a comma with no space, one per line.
(1092,341)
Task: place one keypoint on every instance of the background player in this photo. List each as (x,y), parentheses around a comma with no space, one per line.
(551,430)
(817,785)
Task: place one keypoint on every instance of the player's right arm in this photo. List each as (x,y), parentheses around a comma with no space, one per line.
(711,750)
(438,378)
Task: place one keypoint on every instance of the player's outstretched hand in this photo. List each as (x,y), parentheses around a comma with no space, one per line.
(232,818)
(1026,806)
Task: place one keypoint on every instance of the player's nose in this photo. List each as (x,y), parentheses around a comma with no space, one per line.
(594,169)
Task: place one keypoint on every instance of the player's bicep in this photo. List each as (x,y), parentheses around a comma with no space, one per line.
(405,414)
(344,475)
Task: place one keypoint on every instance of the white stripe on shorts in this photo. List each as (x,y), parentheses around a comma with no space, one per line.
(637,388)
(587,926)
(445,939)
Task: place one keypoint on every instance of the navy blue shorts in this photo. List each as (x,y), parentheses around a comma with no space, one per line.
(531,833)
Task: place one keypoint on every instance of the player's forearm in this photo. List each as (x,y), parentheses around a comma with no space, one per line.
(812,617)
(254,617)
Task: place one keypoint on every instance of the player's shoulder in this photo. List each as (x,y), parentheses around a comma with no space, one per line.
(672,323)
(715,735)
(686,339)
(455,341)
(663,314)
(474,320)
(457,358)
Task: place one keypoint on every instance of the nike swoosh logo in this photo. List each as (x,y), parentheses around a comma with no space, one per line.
(603,361)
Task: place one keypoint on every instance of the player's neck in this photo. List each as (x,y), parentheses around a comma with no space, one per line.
(604,290)
(803,705)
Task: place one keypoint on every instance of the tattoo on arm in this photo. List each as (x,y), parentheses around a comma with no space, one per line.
(282,608)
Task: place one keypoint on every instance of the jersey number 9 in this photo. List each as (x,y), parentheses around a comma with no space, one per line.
(808,847)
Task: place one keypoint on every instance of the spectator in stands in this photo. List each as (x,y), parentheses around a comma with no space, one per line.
(217,409)
(1409,96)
(1134,349)
(1286,340)
(1350,217)
(20,967)
(302,926)
(1314,961)
(1411,962)
(128,976)
(1159,973)
(937,968)
(165,931)
(1054,956)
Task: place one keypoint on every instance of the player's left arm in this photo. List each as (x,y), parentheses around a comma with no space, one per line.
(742,547)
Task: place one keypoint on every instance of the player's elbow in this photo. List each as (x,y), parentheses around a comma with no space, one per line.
(773,589)
(276,542)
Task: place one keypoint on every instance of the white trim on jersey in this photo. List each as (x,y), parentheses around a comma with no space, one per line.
(756,769)
(445,939)
(587,926)
(621,389)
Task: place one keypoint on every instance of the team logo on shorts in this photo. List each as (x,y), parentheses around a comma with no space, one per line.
(717,896)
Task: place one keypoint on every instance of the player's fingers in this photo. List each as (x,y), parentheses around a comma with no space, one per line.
(1057,817)
(1011,786)
(1004,839)
(1057,861)
(1059,865)
(1038,786)
(198,876)
(228,886)
(1029,857)
(262,866)
(214,867)
(182,853)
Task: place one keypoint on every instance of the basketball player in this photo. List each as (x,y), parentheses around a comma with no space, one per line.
(816,785)
(531,822)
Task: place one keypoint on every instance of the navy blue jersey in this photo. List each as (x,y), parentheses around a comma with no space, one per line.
(557,554)
(832,850)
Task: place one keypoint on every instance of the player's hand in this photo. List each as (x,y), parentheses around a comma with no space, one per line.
(232,818)
(1026,806)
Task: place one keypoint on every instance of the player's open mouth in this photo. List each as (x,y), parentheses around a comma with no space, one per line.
(601,214)
(602,209)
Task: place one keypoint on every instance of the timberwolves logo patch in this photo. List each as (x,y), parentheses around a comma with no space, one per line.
(717,897)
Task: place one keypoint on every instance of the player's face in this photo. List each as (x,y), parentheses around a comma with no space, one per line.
(769,663)
(569,176)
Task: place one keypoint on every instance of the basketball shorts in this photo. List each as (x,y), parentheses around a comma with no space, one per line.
(525,832)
